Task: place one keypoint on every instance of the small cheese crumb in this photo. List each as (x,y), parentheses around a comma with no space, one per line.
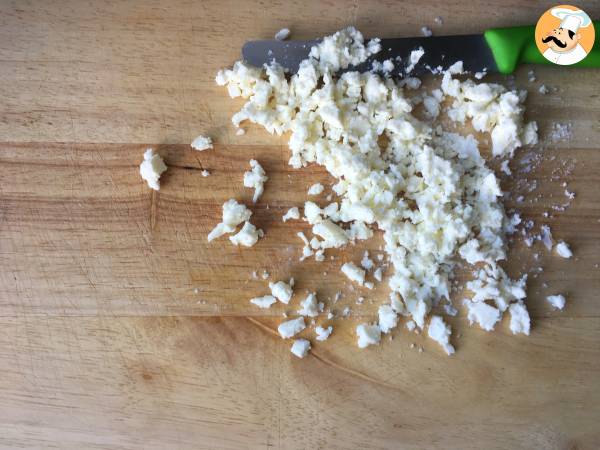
(240,132)
(292,327)
(543,89)
(378,274)
(202,143)
(426,31)
(557,301)
(282,291)
(485,315)
(205,173)
(316,189)
(323,333)
(282,34)
(234,213)
(310,307)
(414,58)
(368,335)
(151,168)
(440,332)
(292,213)
(562,249)
(333,235)
(411,325)
(366,262)
(247,236)
(388,319)
(354,273)
(263,302)
(369,285)
(300,348)
(255,178)
(519,318)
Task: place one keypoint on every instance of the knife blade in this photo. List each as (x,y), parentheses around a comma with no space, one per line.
(441,51)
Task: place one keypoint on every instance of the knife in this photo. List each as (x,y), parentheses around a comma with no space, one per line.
(496,50)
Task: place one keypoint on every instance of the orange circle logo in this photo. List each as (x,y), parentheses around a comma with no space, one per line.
(564,35)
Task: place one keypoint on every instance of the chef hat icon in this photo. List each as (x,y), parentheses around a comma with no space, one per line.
(571,19)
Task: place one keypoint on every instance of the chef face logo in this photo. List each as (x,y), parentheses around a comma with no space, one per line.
(564,35)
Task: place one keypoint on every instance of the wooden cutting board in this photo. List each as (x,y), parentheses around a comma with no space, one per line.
(122,327)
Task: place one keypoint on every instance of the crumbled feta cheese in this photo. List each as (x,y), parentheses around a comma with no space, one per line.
(562,249)
(309,306)
(414,58)
(440,332)
(316,189)
(292,213)
(543,89)
(282,291)
(234,213)
(546,236)
(323,333)
(291,328)
(255,179)
(411,325)
(300,348)
(247,236)
(519,318)
(282,34)
(557,301)
(426,31)
(450,310)
(312,213)
(240,132)
(151,168)
(368,335)
(202,143)
(263,302)
(333,235)
(485,315)
(366,262)
(378,274)
(388,319)
(205,173)
(354,273)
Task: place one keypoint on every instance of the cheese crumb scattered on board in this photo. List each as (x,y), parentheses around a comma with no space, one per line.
(234,213)
(309,306)
(300,348)
(282,34)
(205,173)
(562,249)
(202,143)
(247,236)
(440,332)
(557,301)
(388,319)
(292,213)
(368,335)
(323,333)
(292,327)
(255,178)
(316,189)
(282,291)
(151,168)
(354,273)
(263,302)
(519,318)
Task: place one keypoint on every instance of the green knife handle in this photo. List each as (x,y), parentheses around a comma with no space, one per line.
(516,45)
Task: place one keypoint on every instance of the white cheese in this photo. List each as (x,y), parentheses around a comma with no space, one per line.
(562,249)
(333,235)
(234,213)
(414,58)
(323,333)
(202,143)
(263,302)
(282,291)
(440,332)
(151,168)
(256,179)
(205,173)
(292,213)
(282,34)
(316,189)
(247,236)
(388,319)
(519,318)
(378,274)
(368,335)
(557,301)
(485,315)
(354,273)
(366,262)
(291,328)
(309,306)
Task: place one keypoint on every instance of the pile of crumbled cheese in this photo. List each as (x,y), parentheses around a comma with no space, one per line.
(428,189)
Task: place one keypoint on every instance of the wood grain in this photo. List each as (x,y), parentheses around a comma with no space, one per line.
(121,327)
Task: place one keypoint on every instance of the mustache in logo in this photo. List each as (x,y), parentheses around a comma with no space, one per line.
(555,40)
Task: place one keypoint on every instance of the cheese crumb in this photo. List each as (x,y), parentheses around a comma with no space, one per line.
(282,34)
(292,213)
(414,58)
(205,173)
(256,179)
(263,302)
(202,143)
(368,335)
(485,315)
(247,236)
(440,332)
(519,318)
(310,307)
(426,31)
(323,333)
(151,168)
(234,213)
(354,273)
(388,319)
(300,348)
(562,249)
(366,262)
(292,327)
(316,189)
(557,301)
(282,291)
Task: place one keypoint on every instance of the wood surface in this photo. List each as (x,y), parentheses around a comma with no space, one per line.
(122,328)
